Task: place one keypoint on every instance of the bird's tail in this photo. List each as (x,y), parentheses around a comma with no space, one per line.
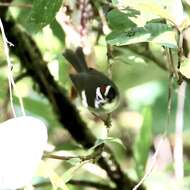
(77,59)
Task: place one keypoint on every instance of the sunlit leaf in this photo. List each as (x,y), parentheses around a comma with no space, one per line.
(185,24)
(156,9)
(152,32)
(143,143)
(185,67)
(45,170)
(114,2)
(170,9)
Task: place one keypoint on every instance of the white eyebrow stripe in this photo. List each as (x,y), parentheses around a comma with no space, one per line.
(107,90)
(84,99)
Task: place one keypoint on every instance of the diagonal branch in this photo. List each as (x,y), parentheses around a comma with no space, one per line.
(82,183)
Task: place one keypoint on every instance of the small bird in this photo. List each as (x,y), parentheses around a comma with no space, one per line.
(98,93)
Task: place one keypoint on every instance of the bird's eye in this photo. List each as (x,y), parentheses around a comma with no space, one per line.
(103,89)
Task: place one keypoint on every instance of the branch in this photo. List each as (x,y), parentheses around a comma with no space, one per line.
(83,183)
(19,5)
(147,54)
(31,59)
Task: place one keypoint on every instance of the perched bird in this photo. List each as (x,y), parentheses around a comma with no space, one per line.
(98,93)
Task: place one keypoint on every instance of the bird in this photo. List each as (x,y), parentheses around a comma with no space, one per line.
(98,93)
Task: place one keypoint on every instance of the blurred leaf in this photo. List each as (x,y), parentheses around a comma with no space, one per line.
(185,24)
(122,54)
(118,20)
(42,13)
(143,142)
(185,67)
(64,78)
(114,2)
(151,32)
(34,107)
(45,170)
(74,161)
(71,172)
(166,9)
(58,31)
(107,141)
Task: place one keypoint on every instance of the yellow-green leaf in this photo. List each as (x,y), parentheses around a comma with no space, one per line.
(46,171)
(185,67)
(72,171)
(156,10)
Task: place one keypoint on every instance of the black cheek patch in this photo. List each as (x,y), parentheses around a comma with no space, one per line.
(111,94)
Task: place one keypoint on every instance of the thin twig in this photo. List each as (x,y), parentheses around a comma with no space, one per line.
(46,155)
(6,51)
(10,75)
(105,28)
(180,49)
(94,156)
(178,148)
(169,104)
(172,64)
(83,183)
(21,76)
(19,5)
(148,55)
(153,162)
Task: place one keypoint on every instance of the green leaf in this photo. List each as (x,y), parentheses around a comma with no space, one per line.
(34,107)
(64,78)
(43,13)
(114,2)
(107,141)
(143,142)
(152,32)
(58,31)
(118,20)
